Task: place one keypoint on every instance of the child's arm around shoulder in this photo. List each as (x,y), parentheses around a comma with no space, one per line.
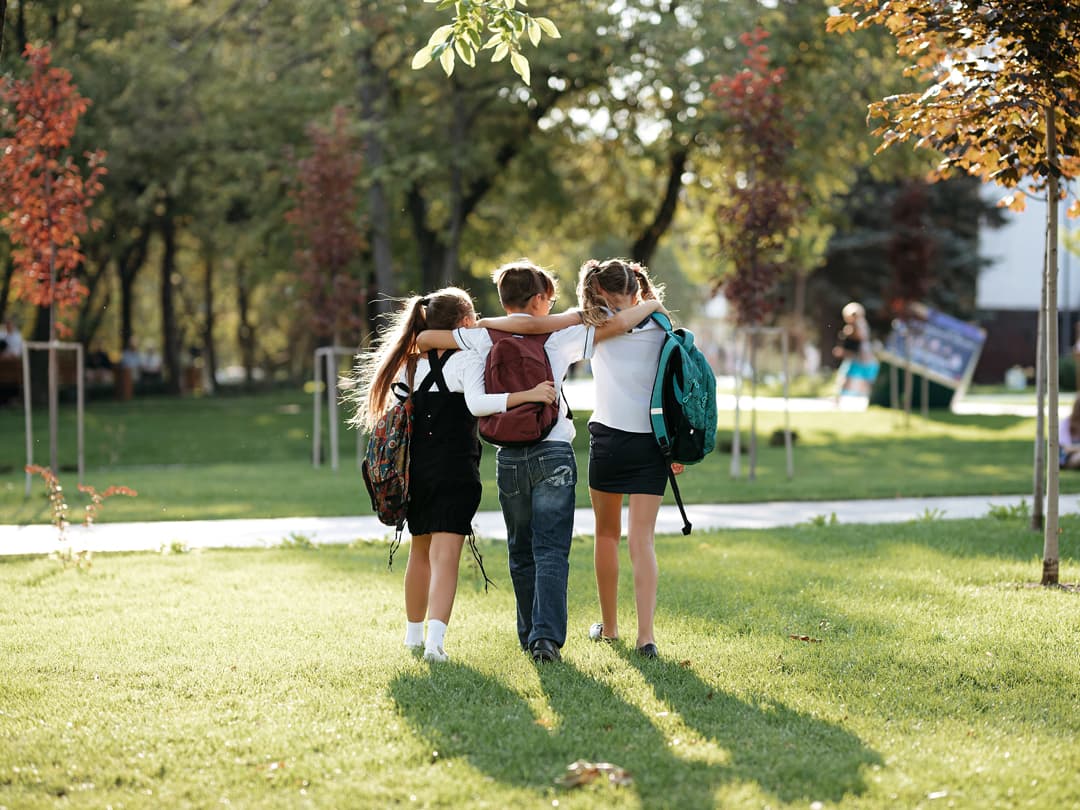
(466,338)
(535,325)
(623,321)
(436,339)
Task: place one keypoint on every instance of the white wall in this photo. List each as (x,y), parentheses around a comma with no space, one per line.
(1016,249)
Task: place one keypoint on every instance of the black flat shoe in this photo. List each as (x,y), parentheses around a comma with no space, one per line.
(545,650)
(648,651)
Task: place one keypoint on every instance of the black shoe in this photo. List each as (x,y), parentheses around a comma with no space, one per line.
(545,650)
(648,651)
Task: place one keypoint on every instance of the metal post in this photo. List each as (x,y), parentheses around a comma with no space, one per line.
(753,408)
(331,405)
(26,411)
(787,407)
(317,429)
(80,409)
(894,387)
(51,347)
(736,460)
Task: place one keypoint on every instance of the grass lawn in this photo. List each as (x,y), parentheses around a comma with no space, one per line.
(278,679)
(250,456)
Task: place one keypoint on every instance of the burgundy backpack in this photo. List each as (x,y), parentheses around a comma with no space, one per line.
(517,363)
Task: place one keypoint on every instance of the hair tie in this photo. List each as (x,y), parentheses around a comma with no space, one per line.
(425,301)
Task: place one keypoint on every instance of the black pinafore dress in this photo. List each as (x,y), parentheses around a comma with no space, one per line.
(444,468)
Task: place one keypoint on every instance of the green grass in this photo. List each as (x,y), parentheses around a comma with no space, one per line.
(251,457)
(277,679)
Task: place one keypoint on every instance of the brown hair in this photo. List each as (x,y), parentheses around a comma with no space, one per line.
(519,281)
(614,276)
(369,388)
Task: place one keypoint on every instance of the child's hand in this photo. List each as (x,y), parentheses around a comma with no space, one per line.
(677,468)
(544,392)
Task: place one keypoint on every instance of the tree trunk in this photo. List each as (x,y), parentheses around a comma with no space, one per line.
(449,271)
(245,335)
(170,333)
(5,284)
(20,30)
(645,245)
(39,363)
(54,374)
(209,348)
(1038,517)
(131,261)
(1050,534)
(373,93)
(91,312)
(428,245)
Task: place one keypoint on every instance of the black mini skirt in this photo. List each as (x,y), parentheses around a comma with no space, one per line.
(627,463)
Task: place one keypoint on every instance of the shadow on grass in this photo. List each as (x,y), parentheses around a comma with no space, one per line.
(791,755)
(981,421)
(464,713)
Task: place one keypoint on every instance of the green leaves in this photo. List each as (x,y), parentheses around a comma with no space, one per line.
(500,19)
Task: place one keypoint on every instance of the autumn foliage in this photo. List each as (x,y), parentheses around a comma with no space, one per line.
(991,69)
(44,194)
(325,227)
(759,201)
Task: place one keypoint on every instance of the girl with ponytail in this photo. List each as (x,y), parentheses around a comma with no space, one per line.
(447,388)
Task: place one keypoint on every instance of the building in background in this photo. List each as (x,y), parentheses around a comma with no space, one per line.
(1008,291)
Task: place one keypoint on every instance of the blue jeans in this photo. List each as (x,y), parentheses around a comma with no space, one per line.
(536,490)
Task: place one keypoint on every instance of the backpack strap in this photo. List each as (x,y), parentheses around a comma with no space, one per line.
(435,374)
(686,527)
(656,417)
(663,320)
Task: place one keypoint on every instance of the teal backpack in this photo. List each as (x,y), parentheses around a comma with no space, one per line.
(683,406)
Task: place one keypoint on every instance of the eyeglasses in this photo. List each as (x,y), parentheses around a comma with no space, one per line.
(550,301)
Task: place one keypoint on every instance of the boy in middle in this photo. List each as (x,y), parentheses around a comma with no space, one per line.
(536,482)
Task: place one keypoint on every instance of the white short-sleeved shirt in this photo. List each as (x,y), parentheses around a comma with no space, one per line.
(624,368)
(564,348)
(464,374)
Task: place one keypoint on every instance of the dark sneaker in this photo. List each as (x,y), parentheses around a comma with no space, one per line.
(545,650)
(648,651)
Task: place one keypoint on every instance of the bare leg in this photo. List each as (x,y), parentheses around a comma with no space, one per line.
(417,578)
(640,535)
(607,511)
(445,557)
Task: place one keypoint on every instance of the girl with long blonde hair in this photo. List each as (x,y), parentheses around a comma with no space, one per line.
(447,387)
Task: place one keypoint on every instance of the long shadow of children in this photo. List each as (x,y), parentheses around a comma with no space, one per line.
(791,755)
(464,713)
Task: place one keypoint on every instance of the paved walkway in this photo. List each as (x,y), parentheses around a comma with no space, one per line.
(41,539)
(264,533)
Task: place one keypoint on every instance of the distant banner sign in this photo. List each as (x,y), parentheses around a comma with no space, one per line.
(937,346)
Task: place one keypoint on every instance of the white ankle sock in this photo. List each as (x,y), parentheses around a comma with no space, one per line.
(436,632)
(414,634)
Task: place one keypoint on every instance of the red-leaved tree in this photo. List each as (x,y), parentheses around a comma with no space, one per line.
(44,193)
(45,196)
(324,222)
(759,201)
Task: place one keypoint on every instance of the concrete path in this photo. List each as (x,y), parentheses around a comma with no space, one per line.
(264,533)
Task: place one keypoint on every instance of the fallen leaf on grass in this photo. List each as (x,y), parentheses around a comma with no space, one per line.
(805,638)
(583,773)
